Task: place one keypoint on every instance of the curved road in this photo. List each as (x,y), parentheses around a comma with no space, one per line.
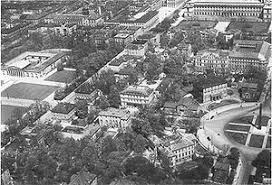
(214,128)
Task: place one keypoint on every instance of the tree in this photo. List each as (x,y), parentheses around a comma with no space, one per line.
(139,145)
(82,109)
(263,160)
(102,102)
(105,81)
(114,97)
(59,66)
(141,127)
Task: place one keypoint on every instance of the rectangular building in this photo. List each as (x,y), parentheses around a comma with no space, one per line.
(114,118)
(135,96)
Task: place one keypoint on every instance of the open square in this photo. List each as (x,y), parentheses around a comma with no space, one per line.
(64,76)
(28,91)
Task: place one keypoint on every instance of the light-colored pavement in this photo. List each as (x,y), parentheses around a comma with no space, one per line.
(212,126)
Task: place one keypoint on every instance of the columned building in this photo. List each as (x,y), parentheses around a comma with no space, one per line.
(214,93)
(254,10)
(216,60)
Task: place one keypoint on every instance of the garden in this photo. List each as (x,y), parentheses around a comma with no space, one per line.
(238,137)
(243,120)
(237,127)
(256,141)
(65,76)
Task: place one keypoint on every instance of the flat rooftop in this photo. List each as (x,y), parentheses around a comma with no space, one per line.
(34,61)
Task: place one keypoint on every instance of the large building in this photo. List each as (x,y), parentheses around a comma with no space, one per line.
(134,96)
(33,64)
(255,10)
(214,93)
(216,60)
(249,53)
(178,150)
(114,118)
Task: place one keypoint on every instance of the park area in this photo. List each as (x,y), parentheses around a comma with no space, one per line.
(195,24)
(28,91)
(255,27)
(243,120)
(222,103)
(237,127)
(7,112)
(256,141)
(264,120)
(64,76)
(237,137)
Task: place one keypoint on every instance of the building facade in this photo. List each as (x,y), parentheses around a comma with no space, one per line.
(32,64)
(214,93)
(216,60)
(114,118)
(253,10)
(135,96)
(249,53)
(178,150)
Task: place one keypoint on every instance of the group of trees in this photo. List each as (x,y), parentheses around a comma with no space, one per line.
(51,159)
(149,121)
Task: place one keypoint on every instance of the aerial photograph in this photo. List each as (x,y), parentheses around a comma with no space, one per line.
(136,92)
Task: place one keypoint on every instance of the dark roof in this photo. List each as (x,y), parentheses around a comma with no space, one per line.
(116,62)
(63,108)
(189,102)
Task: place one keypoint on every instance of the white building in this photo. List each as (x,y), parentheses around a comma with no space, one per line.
(136,48)
(137,96)
(178,150)
(216,60)
(32,64)
(254,10)
(214,93)
(114,118)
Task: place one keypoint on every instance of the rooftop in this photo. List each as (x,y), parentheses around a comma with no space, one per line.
(251,49)
(122,35)
(63,108)
(82,177)
(23,62)
(137,91)
(243,2)
(113,112)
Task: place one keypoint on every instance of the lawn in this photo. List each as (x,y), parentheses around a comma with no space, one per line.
(237,127)
(256,141)
(28,91)
(195,24)
(6,112)
(268,144)
(264,120)
(62,76)
(238,137)
(255,27)
(243,120)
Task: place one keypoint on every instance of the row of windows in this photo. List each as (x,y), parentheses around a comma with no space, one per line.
(222,13)
(227,8)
